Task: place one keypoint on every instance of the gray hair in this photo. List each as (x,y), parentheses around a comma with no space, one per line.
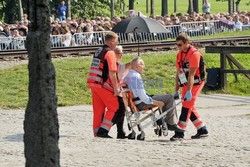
(136,61)
(118,49)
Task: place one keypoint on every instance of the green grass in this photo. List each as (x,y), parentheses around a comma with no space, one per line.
(182,6)
(71,79)
(224,34)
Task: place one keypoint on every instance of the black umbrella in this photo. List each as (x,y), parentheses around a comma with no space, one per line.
(142,24)
(139,24)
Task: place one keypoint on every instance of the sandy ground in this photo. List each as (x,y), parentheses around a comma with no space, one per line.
(11,63)
(228,143)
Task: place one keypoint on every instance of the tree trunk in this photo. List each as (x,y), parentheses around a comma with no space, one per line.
(41,128)
(152,8)
(69,8)
(112,9)
(131,4)
(147,6)
(230,6)
(10,11)
(190,6)
(237,3)
(20,9)
(164,7)
(175,6)
(196,5)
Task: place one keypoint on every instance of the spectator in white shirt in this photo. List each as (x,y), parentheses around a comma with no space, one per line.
(238,24)
(206,7)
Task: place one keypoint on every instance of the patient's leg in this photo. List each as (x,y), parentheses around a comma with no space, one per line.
(171,117)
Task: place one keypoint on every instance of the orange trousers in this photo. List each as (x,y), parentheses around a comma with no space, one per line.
(188,110)
(105,104)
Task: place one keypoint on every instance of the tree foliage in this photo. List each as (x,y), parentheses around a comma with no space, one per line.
(79,8)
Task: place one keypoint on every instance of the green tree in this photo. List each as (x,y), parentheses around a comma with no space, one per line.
(9,11)
(80,8)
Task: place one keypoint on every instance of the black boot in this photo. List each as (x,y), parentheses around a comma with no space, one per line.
(120,132)
(175,128)
(103,133)
(177,136)
(202,132)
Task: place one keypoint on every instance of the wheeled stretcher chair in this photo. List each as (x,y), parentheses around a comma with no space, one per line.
(136,118)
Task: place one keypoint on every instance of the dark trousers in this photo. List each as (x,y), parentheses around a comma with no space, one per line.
(118,118)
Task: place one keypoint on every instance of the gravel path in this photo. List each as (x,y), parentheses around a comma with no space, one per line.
(228,143)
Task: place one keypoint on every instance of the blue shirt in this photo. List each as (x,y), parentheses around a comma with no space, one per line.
(62,10)
(135,84)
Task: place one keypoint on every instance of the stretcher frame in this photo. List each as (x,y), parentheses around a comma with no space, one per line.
(133,116)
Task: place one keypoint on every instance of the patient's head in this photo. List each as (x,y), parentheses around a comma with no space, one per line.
(118,51)
(137,64)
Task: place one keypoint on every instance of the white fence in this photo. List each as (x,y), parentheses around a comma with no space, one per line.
(10,43)
(97,38)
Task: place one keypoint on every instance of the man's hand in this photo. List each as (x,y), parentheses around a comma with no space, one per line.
(188,95)
(159,104)
(117,92)
(177,95)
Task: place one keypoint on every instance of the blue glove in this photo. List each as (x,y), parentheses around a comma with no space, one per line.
(188,95)
(177,95)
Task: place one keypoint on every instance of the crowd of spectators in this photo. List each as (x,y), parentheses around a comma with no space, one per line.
(71,25)
(72,28)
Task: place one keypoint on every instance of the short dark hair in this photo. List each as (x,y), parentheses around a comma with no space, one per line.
(110,35)
(183,37)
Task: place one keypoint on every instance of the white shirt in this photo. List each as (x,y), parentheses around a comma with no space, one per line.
(238,25)
(206,8)
(122,71)
(135,84)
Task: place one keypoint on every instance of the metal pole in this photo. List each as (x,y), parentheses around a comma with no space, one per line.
(152,10)
(69,8)
(175,6)
(230,6)
(131,4)
(112,8)
(20,9)
(163,7)
(146,6)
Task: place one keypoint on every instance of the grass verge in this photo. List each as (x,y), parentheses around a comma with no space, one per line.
(71,79)
(182,6)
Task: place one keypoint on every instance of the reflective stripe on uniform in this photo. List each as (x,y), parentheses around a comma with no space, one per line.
(95,72)
(197,120)
(107,122)
(105,127)
(108,87)
(201,125)
(182,122)
(95,78)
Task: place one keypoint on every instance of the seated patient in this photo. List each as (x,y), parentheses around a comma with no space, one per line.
(143,101)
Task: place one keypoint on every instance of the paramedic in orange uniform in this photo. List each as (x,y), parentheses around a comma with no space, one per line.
(188,76)
(104,85)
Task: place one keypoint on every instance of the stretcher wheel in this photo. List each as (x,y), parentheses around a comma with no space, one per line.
(157,132)
(141,137)
(131,136)
(165,133)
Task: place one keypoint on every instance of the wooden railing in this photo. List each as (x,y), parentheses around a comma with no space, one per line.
(225,54)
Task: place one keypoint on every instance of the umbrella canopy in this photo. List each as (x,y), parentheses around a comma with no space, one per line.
(140,24)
